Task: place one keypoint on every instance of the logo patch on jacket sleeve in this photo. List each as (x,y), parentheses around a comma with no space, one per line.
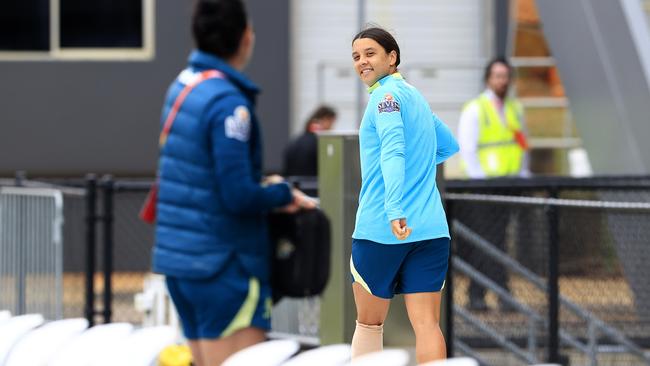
(238,126)
(388,104)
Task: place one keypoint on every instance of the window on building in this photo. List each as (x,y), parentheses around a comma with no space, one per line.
(25,25)
(101,23)
(76,29)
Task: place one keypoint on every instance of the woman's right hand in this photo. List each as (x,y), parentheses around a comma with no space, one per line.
(272,179)
(300,201)
(399,229)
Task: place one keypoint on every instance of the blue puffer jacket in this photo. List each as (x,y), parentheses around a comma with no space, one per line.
(211,207)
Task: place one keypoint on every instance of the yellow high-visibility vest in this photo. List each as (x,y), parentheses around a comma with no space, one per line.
(498,150)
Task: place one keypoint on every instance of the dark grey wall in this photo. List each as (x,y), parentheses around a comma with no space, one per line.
(270,70)
(62,118)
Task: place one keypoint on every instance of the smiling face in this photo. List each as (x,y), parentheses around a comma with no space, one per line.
(371,61)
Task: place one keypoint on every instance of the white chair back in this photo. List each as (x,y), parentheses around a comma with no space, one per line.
(40,345)
(96,343)
(140,348)
(12,330)
(4,315)
(270,353)
(387,357)
(457,361)
(331,355)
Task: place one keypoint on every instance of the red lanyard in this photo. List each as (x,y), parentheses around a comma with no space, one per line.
(169,121)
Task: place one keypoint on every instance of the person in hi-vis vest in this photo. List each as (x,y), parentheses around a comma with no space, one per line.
(491,130)
(492,139)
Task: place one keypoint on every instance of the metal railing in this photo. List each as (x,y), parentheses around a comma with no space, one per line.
(31,251)
(111,222)
(112,206)
(595,326)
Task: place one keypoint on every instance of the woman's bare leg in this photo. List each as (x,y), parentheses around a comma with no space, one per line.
(371,314)
(215,351)
(197,356)
(424,313)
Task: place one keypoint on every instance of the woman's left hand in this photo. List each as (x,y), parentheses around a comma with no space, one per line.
(399,228)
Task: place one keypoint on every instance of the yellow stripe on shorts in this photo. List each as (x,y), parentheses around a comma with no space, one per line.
(244,316)
(357,277)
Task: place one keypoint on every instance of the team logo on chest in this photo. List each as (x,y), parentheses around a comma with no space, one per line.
(239,124)
(388,104)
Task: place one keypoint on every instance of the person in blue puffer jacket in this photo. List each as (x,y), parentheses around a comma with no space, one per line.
(211,236)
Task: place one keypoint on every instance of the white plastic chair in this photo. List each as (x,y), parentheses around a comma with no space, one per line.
(270,353)
(4,315)
(387,357)
(140,348)
(12,330)
(155,303)
(331,355)
(96,343)
(39,345)
(456,361)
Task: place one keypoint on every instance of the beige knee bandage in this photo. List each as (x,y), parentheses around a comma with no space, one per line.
(367,339)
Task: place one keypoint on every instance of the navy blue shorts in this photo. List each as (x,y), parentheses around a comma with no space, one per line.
(220,305)
(388,269)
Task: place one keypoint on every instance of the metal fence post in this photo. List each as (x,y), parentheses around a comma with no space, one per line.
(91,195)
(553,289)
(449,285)
(21,251)
(107,216)
(20,177)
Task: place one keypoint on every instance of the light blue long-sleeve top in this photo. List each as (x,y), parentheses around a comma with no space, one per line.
(401,141)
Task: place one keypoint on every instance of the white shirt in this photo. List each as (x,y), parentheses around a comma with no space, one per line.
(468,131)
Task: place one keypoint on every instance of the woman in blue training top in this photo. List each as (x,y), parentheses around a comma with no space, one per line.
(401,239)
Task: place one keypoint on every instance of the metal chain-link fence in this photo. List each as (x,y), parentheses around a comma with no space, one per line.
(503,235)
(132,242)
(500,267)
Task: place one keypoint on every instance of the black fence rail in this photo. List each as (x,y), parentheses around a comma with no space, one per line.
(107,250)
(551,269)
(560,264)
(126,242)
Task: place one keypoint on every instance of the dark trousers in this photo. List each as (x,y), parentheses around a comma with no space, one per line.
(490,222)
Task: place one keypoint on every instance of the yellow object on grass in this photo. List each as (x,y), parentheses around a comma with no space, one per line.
(176,355)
